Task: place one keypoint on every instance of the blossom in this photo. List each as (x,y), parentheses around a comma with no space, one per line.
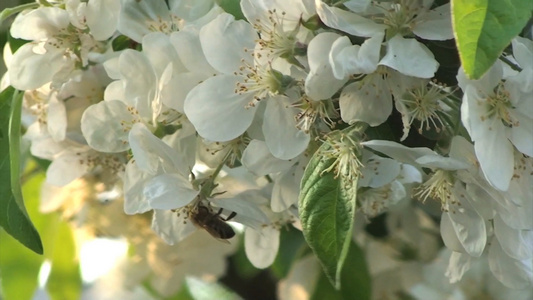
(497,115)
(238,92)
(60,43)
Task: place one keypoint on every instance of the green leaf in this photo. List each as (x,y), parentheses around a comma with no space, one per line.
(327,208)
(19,262)
(64,281)
(324,290)
(355,279)
(121,42)
(13,216)
(483,28)
(232,7)
(19,269)
(290,246)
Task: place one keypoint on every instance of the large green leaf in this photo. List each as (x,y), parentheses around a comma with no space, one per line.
(291,245)
(19,266)
(327,208)
(64,281)
(483,28)
(355,279)
(13,216)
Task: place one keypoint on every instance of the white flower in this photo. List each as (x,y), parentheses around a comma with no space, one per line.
(143,94)
(139,18)
(58,46)
(498,116)
(237,94)
(396,21)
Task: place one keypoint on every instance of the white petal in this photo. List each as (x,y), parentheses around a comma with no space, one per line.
(486,83)
(28,70)
(347,59)
(516,243)
(378,172)
(516,274)
(398,151)
(494,144)
(445,163)
(104,126)
(136,17)
(409,174)
(161,53)
(522,135)
(449,235)
(515,216)
(66,168)
(169,191)
(191,10)
(284,140)
(139,90)
(459,263)
(134,180)
(171,227)
(468,225)
(40,24)
(232,36)
(248,214)
(368,101)
(258,159)
(523,51)
(153,156)
(286,189)
(320,83)
(261,246)
(57,119)
(102,18)
(435,24)
(176,90)
(410,57)
(347,21)
(189,49)
(216,111)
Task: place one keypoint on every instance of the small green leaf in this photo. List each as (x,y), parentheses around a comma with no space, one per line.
(122,42)
(327,208)
(232,7)
(483,28)
(13,216)
(64,281)
(355,279)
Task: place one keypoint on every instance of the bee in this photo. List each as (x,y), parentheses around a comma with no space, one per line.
(213,223)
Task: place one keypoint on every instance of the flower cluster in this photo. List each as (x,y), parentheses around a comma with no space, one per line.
(177,109)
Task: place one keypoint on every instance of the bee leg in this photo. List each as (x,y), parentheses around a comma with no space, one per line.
(231,216)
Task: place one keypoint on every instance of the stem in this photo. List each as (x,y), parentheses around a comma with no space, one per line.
(6,13)
(510,63)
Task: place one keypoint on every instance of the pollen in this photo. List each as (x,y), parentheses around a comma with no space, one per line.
(345,152)
(439,187)
(499,106)
(423,104)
